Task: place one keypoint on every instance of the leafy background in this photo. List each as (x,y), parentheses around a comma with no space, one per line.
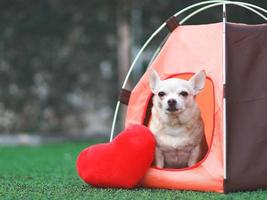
(58,59)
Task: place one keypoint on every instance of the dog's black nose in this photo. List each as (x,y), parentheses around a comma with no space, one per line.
(172,102)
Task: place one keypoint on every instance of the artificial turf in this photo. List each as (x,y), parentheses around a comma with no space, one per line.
(48,172)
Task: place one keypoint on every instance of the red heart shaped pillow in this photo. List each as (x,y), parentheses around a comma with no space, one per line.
(121,163)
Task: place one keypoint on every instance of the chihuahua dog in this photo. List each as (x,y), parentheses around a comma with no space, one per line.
(176,121)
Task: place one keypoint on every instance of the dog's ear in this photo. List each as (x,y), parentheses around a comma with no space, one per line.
(198,81)
(154,80)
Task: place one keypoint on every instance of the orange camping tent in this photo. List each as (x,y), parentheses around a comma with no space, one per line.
(224,103)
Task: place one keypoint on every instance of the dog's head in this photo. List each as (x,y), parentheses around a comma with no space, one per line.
(174,96)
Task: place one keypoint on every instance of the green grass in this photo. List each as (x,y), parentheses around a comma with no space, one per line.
(48,172)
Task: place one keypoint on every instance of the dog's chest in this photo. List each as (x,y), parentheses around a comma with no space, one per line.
(177,145)
(172,139)
(177,158)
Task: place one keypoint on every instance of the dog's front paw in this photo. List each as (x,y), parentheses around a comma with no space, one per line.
(190,164)
(159,166)
(159,159)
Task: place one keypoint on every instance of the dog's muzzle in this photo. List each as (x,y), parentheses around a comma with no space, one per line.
(172,105)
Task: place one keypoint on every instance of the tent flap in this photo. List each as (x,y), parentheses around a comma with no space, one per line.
(246,94)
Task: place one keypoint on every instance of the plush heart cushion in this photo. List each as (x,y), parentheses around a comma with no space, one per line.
(121,163)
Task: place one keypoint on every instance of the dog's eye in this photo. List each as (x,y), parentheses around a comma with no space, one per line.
(161,94)
(184,93)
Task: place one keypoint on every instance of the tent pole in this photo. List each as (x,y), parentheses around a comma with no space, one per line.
(114,121)
(218,4)
(224,83)
(214,3)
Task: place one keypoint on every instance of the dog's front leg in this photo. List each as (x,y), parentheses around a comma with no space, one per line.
(194,156)
(159,158)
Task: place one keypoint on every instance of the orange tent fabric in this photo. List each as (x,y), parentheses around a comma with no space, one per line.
(189,49)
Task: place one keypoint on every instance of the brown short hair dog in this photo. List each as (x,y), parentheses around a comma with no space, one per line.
(176,121)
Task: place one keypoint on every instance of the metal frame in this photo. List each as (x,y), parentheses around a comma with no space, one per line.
(255,9)
(224,98)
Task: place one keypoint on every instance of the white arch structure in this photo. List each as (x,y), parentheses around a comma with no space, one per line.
(261,12)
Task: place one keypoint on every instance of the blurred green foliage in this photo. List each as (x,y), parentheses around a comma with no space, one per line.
(58,58)
(50,57)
